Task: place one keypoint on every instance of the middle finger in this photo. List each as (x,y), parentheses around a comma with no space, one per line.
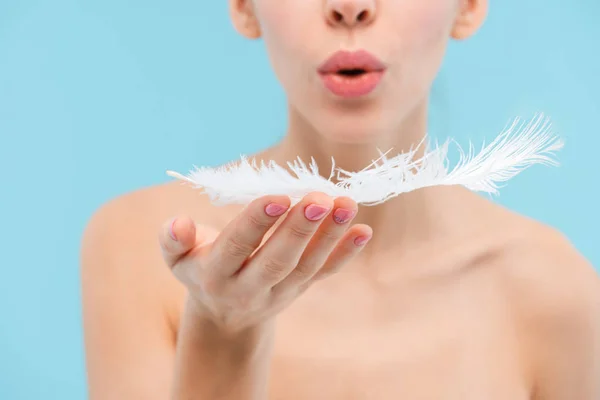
(281,252)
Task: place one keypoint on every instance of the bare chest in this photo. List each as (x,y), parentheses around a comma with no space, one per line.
(455,344)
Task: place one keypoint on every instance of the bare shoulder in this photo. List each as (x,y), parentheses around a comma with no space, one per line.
(546,274)
(131,301)
(554,292)
(120,253)
(133,220)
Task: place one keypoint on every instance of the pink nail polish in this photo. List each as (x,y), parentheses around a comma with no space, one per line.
(275,210)
(171,231)
(315,212)
(361,240)
(341,215)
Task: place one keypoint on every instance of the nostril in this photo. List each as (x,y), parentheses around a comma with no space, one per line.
(350,12)
(337,16)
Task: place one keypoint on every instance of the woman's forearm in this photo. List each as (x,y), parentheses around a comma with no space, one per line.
(212,365)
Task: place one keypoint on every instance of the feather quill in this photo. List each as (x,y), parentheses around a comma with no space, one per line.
(516,148)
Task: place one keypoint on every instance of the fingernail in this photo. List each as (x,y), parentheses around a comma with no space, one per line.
(275,210)
(361,240)
(171,232)
(341,215)
(315,212)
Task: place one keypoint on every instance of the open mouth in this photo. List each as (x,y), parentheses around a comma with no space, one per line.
(352,72)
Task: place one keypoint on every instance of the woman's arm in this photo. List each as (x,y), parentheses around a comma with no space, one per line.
(568,350)
(212,365)
(132,351)
(129,342)
(560,300)
(238,282)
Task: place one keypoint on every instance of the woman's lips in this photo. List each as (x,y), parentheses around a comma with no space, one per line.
(351,74)
(352,86)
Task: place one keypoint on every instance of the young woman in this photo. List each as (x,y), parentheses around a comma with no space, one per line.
(436,294)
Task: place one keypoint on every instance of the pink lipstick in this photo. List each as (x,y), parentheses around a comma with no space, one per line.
(351,74)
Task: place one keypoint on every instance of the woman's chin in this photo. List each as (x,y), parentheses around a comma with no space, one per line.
(364,123)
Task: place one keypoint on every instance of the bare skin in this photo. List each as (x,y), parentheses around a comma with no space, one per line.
(452,297)
(509,312)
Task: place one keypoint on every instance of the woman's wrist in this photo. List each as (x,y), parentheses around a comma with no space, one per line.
(213,363)
(247,341)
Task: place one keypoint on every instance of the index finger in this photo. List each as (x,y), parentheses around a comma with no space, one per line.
(242,236)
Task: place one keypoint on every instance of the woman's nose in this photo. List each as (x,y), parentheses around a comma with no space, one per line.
(350,13)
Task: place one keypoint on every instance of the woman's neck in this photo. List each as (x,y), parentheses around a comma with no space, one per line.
(303,141)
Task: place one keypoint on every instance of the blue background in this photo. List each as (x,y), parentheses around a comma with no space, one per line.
(98,98)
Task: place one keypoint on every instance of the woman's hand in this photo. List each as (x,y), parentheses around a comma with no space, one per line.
(236,282)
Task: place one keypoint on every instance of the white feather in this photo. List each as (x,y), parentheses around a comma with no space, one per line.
(517,147)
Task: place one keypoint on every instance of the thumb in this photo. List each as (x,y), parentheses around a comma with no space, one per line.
(180,235)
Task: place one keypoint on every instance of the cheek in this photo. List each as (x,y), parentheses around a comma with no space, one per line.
(284,33)
(421,35)
(429,25)
(283,23)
